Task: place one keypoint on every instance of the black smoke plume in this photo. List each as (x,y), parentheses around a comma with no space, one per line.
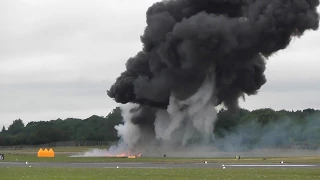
(186,39)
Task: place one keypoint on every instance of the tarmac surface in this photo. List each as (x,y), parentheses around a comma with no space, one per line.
(152,165)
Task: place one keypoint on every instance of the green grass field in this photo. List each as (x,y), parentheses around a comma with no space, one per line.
(62,155)
(156,174)
(65,158)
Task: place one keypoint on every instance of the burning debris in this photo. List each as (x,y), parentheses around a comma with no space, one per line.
(124,155)
(198,54)
(109,153)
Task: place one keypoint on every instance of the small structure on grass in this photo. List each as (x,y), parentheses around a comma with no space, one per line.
(45,153)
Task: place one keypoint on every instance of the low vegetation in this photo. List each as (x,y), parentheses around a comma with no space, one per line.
(27,157)
(156,174)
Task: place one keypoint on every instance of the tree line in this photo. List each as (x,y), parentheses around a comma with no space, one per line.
(94,128)
(249,128)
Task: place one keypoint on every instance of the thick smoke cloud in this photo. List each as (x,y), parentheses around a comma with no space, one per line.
(188,41)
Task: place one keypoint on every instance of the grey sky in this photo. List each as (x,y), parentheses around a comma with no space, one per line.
(58,58)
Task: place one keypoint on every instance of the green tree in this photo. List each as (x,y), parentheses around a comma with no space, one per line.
(263,116)
(16,127)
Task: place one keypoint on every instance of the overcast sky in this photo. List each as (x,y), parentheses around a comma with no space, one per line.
(58,58)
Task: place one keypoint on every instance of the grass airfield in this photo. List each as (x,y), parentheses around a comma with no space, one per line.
(156,174)
(63,156)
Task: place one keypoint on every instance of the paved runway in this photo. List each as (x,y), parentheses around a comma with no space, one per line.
(153,165)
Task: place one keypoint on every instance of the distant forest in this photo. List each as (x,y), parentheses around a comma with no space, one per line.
(250,128)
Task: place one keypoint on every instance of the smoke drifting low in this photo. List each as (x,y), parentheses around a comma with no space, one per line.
(198,54)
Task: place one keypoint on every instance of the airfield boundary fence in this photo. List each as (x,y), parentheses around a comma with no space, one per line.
(61,144)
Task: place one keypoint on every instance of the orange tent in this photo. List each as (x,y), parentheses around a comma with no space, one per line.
(45,153)
(50,153)
(40,152)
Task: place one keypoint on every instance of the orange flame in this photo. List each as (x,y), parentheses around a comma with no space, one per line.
(125,154)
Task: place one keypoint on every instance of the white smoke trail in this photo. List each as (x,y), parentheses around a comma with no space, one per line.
(128,132)
(190,118)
